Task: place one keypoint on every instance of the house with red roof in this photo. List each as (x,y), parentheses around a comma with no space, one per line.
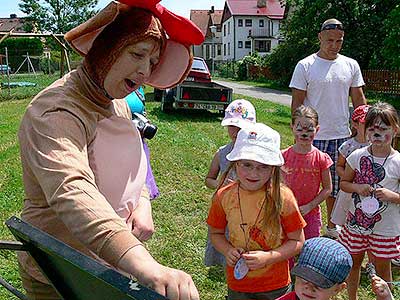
(250,26)
(13,23)
(209,21)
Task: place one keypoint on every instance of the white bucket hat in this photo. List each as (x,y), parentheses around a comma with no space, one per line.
(257,142)
(239,113)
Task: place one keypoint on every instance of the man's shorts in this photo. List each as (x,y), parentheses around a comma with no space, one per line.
(331,147)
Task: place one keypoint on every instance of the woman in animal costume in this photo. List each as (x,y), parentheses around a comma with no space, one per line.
(83,163)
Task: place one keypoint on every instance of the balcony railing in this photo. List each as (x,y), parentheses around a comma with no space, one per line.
(260,32)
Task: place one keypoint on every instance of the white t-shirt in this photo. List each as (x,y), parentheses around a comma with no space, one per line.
(328,83)
(386,220)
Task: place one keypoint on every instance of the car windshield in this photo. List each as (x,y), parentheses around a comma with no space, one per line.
(198,65)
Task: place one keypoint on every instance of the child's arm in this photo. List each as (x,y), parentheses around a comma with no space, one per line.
(219,241)
(347,185)
(340,165)
(212,176)
(322,195)
(292,246)
(381,288)
(387,195)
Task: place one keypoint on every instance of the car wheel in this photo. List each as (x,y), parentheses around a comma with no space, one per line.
(168,100)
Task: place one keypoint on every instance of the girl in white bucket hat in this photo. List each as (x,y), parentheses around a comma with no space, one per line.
(264,222)
(238,114)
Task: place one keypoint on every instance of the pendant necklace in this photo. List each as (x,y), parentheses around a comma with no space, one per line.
(370,204)
(241,269)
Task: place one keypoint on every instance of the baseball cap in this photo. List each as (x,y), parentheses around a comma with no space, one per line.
(176,58)
(332,24)
(323,262)
(239,113)
(257,142)
(360,113)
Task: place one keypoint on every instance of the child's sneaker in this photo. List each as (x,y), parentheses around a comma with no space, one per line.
(332,233)
(396,262)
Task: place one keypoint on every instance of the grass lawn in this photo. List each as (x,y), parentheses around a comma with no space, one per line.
(181,152)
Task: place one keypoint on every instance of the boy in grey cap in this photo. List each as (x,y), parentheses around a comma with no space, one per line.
(321,270)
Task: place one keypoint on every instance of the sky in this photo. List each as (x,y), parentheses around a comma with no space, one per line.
(180,7)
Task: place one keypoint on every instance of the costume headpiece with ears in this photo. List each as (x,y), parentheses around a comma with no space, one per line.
(102,38)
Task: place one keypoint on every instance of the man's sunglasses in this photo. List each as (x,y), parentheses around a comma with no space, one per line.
(332,26)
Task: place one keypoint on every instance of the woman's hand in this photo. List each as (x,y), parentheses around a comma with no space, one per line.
(256,259)
(143,226)
(172,283)
(233,255)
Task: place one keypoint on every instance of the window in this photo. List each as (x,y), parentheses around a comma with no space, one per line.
(249,22)
(224,49)
(218,49)
(224,29)
(262,46)
(229,28)
(240,22)
(240,44)
(229,49)
(261,23)
(247,44)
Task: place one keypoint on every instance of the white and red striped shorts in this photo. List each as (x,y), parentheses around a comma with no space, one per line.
(386,247)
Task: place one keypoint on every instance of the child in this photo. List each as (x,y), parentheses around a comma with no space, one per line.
(372,175)
(238,114)
(321,270)
(306,168)
(264,222)
(357,141)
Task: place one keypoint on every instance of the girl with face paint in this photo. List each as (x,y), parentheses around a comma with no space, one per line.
(372,175)
(306,168)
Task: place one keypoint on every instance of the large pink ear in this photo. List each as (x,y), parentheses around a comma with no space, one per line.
(81,38)
(178,28)
(173,67)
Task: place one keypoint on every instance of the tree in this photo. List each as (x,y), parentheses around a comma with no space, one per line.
(391,44)
(56,16)
(364,31)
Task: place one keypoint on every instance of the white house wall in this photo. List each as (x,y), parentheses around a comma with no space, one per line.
(234,34)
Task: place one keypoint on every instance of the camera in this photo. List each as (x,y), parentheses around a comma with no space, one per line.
(146,129)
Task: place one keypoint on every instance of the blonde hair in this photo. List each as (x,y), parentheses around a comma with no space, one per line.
(273,204)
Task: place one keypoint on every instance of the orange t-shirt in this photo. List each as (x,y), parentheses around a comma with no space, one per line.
(225,211)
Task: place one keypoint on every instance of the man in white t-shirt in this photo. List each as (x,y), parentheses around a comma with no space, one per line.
(324,81)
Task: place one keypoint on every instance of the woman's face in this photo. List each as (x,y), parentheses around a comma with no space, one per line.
(132,68)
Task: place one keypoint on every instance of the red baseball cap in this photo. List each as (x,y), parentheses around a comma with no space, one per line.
(360,113)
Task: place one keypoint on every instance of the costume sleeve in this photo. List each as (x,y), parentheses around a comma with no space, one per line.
(299,80)
(216,215)
(54,150)
(357,76)
(291,217)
